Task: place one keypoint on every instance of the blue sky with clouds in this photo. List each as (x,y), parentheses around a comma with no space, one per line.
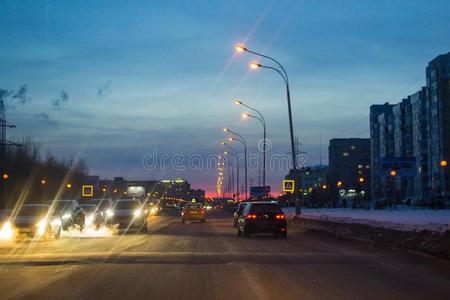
(140,75)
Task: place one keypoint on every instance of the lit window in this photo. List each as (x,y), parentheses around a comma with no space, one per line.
(344,153)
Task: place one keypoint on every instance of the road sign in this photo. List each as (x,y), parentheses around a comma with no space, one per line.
(259,191)
(87,191)
(288,186)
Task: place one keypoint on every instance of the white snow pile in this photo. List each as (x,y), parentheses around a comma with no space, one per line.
(402,219)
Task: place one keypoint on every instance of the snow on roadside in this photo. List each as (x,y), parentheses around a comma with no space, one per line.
(403,220)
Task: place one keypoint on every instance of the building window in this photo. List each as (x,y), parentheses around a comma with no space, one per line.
(344,153)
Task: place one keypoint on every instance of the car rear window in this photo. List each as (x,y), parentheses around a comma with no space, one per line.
(265,208)
(128,205)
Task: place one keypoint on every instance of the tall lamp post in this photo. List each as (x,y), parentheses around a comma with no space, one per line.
(241,140)
(282,72)
(261,119)
(232,151)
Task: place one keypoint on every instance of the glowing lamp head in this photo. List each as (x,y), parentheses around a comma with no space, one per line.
(339,184)
(222,142)
(43,181)
(69,185)
(245,115)
(255,65)
(361,179)
(5,176)
(230,139)
(225,129)
(393,173)
(238,102)
(225,152)
(240,48)
(443,163)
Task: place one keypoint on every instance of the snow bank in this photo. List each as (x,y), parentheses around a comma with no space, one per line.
(402,219)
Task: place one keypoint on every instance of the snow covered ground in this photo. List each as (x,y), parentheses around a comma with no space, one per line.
(402,219)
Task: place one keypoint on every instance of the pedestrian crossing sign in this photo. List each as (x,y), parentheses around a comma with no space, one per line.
(288,186)
(87,191)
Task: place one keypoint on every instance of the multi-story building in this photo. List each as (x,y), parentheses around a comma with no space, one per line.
(349,164)
(438,92)
(416,129)
(402,138)
(420,143)
(381,146)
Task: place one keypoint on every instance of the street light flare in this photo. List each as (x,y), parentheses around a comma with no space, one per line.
(230,139)
(238,102)
(245,115)
(240,48)
(443,163)
(43,181)
(255,65)
(5,176)
(225,129)
(393,173)
(69,185)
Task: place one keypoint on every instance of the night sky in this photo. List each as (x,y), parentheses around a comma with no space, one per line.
(111,81)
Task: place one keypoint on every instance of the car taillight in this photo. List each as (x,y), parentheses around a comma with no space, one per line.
(279,216)
(251,216)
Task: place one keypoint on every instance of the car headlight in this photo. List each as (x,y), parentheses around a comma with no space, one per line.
(6,232)
(137,213)
(89,219)
(153,210)
(66,216)
(56,222)
(41,226)
(109,213)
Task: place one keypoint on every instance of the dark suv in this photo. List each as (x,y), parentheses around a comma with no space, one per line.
(262,217)
(70,212)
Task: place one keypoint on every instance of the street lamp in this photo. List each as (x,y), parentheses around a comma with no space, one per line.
(241,140)
(233,152)
(69,186)
(261,119)
(282,72)
(5,176)
(43,181)
(443,163)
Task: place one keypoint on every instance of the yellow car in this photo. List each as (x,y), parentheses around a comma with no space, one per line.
(193,211)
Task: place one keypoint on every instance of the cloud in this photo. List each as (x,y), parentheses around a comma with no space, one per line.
(22,95)
(104,90)
(63,98)
(45,118)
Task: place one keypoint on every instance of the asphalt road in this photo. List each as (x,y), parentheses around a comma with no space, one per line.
(209,261)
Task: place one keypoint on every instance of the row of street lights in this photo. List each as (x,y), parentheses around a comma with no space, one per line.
(236,137)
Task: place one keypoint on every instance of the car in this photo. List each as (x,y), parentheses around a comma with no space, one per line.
(93,216)
(193,211)
(262,217)
(154,209)
(129,214)
(104,212)
(33,220)
(238,212)
(70,212)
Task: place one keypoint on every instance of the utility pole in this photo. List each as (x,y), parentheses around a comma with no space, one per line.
(3,144)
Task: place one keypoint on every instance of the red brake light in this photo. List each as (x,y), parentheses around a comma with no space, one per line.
(279,216)
(251,216)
